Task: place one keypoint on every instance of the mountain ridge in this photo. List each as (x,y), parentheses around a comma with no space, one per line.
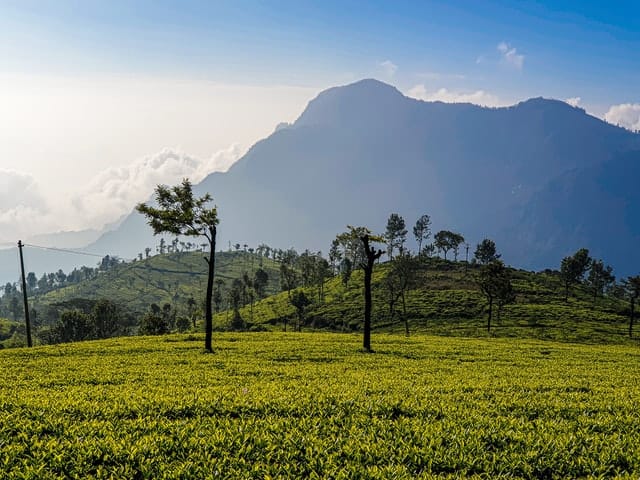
(361,151)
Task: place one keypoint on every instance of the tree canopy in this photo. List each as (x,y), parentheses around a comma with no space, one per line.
(179,213)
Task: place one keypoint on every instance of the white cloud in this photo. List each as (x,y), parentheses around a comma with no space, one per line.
(388,68)
(626,115)
(510,56)
(574,101)
(25,211)
(115,191)
(478,97)
(18,189)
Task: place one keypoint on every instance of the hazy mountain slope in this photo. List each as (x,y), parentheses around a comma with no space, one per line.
(596,207)
(360,152)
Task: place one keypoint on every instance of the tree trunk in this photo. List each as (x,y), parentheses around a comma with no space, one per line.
(633,305)
(208,312)
(366,344)
(489,318)
(372,256)
(566,292)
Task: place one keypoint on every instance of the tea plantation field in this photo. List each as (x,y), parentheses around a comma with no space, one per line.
(303,405)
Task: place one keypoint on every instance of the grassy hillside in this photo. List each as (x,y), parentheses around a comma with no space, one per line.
(447,301)
(11,333)
(274,405)
(169,278)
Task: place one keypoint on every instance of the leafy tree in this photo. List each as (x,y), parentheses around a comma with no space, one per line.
(429,250)
(72,326)
(32,281)
(153,322)
(506,296)
(486,252)
(494,281)
(14,307)
(179,213)
(346,269)
(300,301)
(335,255)
(573,268)
(422,230)
(446,240)
(191,310)
(351,245)
(106,318)
(288,275)
(632,289)
(399,280)
(182,323)
(321,272)
(306,266)
(217,294)
(395,234)
(260,282)
(600,277)
(235,298)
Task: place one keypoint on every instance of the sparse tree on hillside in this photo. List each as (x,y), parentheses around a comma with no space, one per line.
(573,268)
(422,230)
(335,255)
(179,213)
(600,277)
(106,317)
(217,294)
(321,273)
(260,282)
(401,277)
(346,269)
(32,281)
(288,274)
(300,301)
(494,281)
(486,252)
(446,240)
(632,289)
(72,326)
(395,234)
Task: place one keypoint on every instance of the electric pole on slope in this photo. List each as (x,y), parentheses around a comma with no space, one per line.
(24,294)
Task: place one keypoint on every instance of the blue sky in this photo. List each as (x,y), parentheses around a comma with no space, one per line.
(585,49)
(117,96)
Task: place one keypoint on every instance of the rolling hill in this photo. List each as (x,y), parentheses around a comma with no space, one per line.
(169,278)
(446,300)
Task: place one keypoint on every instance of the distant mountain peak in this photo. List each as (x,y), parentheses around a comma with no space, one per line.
(541,102)
(368,96)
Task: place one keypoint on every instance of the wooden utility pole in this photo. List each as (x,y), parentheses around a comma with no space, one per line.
(24,294)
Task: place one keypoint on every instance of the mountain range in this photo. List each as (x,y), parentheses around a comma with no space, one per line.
(541,178)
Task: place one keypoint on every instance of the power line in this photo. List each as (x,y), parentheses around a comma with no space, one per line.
(64,250)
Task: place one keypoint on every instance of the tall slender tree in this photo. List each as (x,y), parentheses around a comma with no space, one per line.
(573,268)
(179,213)
(600,278)
(632,289)
(486,252)
(396,234)
(422,230)
(494,281)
